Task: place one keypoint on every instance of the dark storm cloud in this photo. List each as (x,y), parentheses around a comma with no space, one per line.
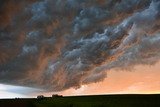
(58,44)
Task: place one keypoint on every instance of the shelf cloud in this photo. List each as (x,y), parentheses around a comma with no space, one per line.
(59,44)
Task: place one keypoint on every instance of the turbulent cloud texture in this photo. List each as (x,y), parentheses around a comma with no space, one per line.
(58,44)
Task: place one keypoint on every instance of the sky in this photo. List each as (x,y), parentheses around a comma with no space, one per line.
(142,80)
(77,47)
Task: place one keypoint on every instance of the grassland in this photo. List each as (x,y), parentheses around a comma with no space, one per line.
(86,101)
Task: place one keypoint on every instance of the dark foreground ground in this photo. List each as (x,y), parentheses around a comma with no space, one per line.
(87,101)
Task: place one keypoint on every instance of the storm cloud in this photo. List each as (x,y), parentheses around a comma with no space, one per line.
(59,44)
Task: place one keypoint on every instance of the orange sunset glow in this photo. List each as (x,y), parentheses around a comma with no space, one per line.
(141,80)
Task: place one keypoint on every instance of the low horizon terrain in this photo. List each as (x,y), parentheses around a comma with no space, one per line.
(123,100)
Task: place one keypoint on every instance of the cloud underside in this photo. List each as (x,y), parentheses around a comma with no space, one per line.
(57,44)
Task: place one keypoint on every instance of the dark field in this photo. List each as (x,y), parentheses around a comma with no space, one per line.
(87,101)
